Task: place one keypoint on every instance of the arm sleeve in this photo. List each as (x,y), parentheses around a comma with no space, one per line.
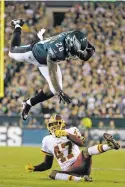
(48,161)
(47,164)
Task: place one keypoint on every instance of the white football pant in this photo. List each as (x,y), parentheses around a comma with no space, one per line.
(29,58)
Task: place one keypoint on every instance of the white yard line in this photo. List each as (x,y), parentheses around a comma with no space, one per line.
(13,185)
(112,169)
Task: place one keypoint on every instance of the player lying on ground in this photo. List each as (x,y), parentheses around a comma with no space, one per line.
(63,144)
(46,54)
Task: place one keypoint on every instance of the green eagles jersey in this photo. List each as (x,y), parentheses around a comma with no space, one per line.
(54,47)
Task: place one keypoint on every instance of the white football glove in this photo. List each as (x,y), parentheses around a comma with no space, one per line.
(40,34)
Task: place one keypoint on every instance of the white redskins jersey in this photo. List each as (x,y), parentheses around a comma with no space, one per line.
(65,151)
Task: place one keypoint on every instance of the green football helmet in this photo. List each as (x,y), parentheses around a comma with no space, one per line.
(76,41)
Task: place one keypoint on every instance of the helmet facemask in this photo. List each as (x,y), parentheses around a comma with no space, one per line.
(55,123)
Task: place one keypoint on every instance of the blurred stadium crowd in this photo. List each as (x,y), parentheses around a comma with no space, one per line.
(97,87)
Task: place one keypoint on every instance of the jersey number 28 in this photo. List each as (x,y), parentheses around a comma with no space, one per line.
(60,46)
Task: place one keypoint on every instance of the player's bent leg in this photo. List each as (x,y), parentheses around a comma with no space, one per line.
(101,148)
(17,52)
(66,176)
(43,95)
(25,109)
(16,38)
(82,166)
(14,52)
(59,74)
(110,141)
(23,54)
(45,72)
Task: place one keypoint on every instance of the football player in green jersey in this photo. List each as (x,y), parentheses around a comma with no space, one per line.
(46,54)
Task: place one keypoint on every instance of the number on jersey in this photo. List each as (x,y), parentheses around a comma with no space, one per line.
(60,46)
(59,152)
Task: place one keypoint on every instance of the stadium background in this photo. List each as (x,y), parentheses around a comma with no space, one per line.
(98,104)
(97,87)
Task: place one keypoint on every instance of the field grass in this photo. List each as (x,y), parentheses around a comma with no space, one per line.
(108,169)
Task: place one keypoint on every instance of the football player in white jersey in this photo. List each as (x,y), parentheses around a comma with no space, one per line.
(63,144)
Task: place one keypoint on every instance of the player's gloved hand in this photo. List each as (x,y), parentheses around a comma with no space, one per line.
(90,46)
(64,97)
(40,34)
(59,133)
(29,168)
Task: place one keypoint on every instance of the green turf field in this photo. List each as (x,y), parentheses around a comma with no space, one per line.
(108,169)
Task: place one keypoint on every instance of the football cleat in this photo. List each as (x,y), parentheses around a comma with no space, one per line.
(87,178)
(15,22)
(110,141)
(26,108)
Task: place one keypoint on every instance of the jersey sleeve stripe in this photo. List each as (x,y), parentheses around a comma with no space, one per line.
(46,153)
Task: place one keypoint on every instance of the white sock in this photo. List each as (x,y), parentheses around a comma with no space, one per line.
(106,147)
(66,177)
(98,149)
(28,102)
(17,25)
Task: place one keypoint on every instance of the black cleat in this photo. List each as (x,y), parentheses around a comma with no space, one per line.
(110,141)
(26,109)
(20,22)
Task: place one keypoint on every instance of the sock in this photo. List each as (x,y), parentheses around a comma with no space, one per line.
(40,97)
(16,38)
(106,147)
(66,177)
(28,102)
(98,149)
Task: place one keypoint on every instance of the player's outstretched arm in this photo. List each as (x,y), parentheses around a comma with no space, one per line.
(47,164)
(52,66)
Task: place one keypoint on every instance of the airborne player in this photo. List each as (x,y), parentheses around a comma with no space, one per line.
(46,54)
(63,144)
